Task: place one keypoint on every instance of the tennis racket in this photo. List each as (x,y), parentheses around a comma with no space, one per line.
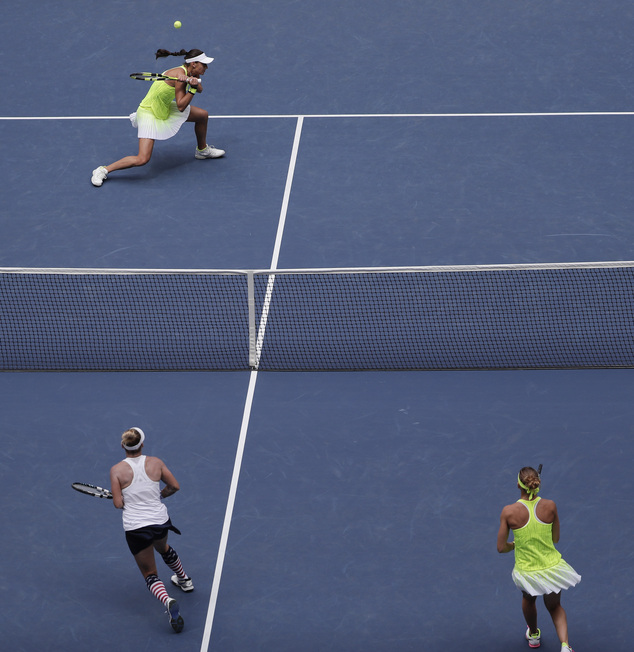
(539,470)
(155,76)
(92,490)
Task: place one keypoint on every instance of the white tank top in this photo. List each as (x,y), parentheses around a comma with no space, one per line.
(142,504)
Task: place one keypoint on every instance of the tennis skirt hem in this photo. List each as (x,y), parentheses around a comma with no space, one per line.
(550,580)
(148,126)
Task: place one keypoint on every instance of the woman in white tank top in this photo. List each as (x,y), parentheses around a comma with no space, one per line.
(136,489)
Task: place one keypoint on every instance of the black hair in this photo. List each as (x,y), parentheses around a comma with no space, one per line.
(182,53)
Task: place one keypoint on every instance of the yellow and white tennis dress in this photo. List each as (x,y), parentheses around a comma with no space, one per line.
(158,116)
(539,567)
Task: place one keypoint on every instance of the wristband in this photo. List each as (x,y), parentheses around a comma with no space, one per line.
(192,90)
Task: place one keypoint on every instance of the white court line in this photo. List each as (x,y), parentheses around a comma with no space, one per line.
(350,115)
(246,415)
(213,598)
(278,241)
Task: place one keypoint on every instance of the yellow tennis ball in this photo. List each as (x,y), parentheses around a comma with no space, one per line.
(177,24)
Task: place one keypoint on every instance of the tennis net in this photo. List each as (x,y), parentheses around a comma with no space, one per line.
(541,316)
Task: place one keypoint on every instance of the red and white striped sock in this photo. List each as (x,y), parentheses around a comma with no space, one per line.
(174,562)
(157,588)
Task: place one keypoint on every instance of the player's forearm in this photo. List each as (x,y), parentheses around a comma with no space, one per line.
(168,490)
(509,546)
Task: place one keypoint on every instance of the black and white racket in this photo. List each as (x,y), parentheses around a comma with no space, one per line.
(92,490)
(155,76)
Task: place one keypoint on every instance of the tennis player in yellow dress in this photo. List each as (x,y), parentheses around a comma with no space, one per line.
(164,109)
(539,567)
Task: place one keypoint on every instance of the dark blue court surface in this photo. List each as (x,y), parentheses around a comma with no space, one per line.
(366,507)
(365,518)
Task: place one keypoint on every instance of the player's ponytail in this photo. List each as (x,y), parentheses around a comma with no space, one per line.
(167,53)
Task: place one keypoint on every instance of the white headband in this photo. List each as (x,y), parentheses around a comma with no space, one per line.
(203,58)
(136,448)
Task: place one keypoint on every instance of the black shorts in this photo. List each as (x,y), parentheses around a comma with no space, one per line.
(144,537)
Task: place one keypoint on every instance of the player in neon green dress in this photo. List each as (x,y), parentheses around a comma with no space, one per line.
(539,567)
(164,109)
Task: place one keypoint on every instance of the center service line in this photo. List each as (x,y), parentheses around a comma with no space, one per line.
(222,550)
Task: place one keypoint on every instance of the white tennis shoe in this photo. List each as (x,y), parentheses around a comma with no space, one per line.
(176,620)
(99,176)
(187,585)
(209,152)
(534,640)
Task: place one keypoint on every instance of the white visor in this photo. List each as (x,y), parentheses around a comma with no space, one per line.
(203,58)
(136,448)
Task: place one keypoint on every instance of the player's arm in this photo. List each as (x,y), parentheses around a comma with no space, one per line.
(504,545)
(555,525)
(171,483)
(182,95)
(115,488)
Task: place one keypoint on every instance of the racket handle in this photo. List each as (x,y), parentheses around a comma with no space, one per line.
(189,80)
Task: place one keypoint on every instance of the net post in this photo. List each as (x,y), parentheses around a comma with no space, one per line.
(253,358)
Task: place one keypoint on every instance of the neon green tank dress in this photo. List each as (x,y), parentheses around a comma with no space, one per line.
(534,547)
(158,116)
(539,567)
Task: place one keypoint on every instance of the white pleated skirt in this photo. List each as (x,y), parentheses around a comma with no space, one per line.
(149,126)
(550,580)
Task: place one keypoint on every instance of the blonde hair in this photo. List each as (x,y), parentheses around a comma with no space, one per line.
(131,438)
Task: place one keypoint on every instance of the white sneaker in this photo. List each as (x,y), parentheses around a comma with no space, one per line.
(99,176)
(173,612)
(187,585)
(209,152)
(534,640)
(133,121)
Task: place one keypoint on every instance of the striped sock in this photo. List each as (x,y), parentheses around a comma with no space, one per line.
(174,562)
(157,588)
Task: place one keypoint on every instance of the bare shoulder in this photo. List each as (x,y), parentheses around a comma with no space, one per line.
(118,467)
(546,510)
(510,509)
(547,504)
(154,467)
(121,474)
(175,72)
(516,515)
(509,514)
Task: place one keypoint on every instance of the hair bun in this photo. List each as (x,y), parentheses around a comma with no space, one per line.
(533,482)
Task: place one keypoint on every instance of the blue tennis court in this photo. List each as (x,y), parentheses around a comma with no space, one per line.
(319,511)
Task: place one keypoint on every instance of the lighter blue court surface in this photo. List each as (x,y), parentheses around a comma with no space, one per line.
(367,504)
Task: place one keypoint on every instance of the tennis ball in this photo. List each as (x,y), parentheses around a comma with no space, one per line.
(177,24)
